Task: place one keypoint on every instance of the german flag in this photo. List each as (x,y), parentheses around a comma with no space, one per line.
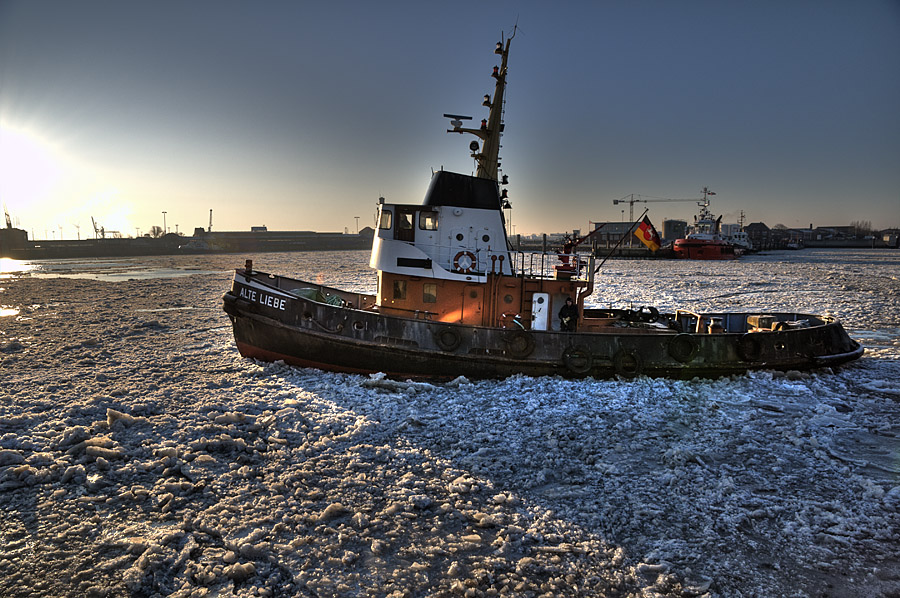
(647,234)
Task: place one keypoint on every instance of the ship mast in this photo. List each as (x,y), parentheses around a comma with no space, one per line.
(491,128)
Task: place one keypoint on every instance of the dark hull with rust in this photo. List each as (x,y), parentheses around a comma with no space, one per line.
(270,323)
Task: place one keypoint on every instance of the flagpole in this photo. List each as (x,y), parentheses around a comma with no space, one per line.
(630,230)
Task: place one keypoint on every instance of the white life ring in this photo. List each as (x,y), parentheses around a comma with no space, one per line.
(464,262)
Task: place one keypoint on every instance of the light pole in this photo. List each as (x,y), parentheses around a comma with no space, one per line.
(164,223)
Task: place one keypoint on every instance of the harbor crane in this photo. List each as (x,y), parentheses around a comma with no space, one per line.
(633,198)
(100,232)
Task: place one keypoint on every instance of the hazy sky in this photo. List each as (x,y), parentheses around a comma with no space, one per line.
(298,115)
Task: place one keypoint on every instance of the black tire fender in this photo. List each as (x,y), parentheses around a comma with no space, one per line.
(628,363)
(578,359)
(683,347)
(233,305)
(447,338)
(519,343)
(749,346)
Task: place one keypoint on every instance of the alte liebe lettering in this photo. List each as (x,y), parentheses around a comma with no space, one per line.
(263,298)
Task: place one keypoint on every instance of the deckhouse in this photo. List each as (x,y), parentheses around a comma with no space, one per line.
(450,260)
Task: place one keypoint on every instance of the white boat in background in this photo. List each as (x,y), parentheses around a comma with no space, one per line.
(741,240)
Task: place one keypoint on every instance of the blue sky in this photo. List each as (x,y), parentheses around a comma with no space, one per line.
(298,116)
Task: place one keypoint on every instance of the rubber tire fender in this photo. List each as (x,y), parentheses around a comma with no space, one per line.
(749,346)
(519,343)
(628,363)
(683,347)
(578,359)
(447,338)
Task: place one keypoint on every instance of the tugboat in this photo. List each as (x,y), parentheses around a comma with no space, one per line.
(453,299)
(704,240)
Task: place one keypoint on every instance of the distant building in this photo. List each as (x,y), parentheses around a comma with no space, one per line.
(673,229)
(610,233)
(760,235)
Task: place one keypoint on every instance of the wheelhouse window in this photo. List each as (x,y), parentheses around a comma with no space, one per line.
(429,292)
(400,289)
(428,220)
(385,221)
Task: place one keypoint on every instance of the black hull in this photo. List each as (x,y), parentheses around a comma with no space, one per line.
(271,323)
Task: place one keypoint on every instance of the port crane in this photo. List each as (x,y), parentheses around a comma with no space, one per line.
(634,198)
(99,232)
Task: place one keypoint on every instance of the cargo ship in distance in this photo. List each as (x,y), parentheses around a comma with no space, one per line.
(454,299)
(14,244)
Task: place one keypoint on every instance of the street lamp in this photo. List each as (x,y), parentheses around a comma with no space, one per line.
(164,223)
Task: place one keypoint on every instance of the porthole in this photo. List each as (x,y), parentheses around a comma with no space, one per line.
(459,237)
(486,238)
(508,299)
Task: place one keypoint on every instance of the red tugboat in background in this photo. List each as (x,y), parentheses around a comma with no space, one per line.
(704,240)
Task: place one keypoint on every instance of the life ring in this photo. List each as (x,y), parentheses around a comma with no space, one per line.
(447,338)
(519,343)
(683,347)
(628,364)
(578,360)
(749,346)
(464,262)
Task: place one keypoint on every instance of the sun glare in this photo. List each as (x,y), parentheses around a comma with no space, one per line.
(29,166)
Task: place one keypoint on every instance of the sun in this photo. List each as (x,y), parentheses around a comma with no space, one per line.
(29,167)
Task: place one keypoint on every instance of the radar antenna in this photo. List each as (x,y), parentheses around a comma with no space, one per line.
(488,159)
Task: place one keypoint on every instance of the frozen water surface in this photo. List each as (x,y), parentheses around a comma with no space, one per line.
(140,455)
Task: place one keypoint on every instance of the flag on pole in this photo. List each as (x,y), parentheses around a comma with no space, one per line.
(647,234)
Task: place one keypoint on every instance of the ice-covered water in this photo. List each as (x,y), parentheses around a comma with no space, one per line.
(141,456)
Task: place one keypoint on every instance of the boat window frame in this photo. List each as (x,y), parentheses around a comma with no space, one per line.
(386,215)
(428,220)
(429,292)
(399,290)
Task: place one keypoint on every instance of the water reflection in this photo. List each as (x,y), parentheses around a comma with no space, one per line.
(10,267)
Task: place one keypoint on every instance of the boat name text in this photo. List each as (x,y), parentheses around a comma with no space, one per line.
(263,298)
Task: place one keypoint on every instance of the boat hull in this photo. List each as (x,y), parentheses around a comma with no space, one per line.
(272,323)
(705,250)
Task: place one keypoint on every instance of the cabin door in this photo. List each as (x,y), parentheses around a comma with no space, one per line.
(540,311)
(405,229)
